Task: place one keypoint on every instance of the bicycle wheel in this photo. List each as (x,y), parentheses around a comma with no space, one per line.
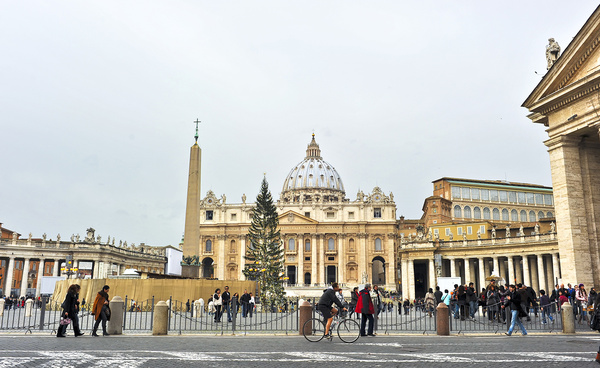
(348,330)
(313,330)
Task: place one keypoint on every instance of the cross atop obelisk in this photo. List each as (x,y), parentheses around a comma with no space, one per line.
(196,136)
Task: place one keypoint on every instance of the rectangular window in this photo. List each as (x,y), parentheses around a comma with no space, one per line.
(485,195)
(548,199)
(233,216)
(307,258)
(307,214)
(377,212)
(539,199)
(331,258)
(512,197)
(469,230)
(447,231)
(330,215)
(482,229)
(455,192)
(475,193)
(503,196)
(459,230)
(435,210)
(530,198)
(351,215)
(521,197)
(435,221)
(209,215)
(494,195)
(436,231)
(466,193)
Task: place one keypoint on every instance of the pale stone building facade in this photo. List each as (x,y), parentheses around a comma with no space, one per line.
(567,102)
(327,236)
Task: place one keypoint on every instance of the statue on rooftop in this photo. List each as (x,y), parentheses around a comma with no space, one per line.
(552,52)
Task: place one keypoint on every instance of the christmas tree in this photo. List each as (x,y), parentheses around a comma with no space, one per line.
(265,254)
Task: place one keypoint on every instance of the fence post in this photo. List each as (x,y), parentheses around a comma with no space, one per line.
(42,313)
(161,318)
(115,324)
(442,320)
(170,306)
(125,313)
(305,314)
(28,306)
(568,321)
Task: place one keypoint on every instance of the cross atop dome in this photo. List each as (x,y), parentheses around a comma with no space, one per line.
(313,150)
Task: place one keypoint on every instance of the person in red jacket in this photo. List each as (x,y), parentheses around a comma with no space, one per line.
(366,308)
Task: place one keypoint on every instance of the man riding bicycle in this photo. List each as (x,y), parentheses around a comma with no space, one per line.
(325,305)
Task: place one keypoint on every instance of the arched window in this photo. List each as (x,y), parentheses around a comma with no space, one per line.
(232,247)
(477,212)
(505,215)
(486,213)
(377,244)
(531,216)
(209,245)
(292,244)
(467,212)
(523,216)
(540,215)
(496,214)
(331,244)
(514,216)
(307,245)
(351,245)
(457,212)
(549,214)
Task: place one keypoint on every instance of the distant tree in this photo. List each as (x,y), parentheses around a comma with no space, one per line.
(265,254)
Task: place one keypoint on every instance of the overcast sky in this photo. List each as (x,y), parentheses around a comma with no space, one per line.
(98,99)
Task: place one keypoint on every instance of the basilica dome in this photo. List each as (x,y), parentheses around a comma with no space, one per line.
(313,179)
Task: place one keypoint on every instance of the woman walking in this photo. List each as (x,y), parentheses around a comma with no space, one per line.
(70,310)
(101,311)
(218,303)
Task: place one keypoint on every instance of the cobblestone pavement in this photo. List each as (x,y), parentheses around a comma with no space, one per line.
(275,351)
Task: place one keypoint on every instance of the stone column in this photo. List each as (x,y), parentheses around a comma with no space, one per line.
(24,277)
(526,278)
(481,274)
(452,267)
(242,239)
(95,270)
(362,257)
(467,272)
(511,270)
(314,277)
(555,268)
(9,276)
(220,265)
(341,254)
(502,270)
(496,266)
(40,274)
(411,279)
(541,273)
(534,276)
(405,290)
(300,271)
(55,267)
(321,268)
(390,271)
(432,279)
(519,271)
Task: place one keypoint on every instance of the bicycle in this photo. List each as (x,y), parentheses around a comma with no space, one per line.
(348,330)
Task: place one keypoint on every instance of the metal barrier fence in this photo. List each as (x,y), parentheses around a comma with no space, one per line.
(183,318)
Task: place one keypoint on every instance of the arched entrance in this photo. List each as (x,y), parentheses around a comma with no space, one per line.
(378,271)
(307,278)
(208,271)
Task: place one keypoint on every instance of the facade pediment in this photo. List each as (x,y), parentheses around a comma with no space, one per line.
(579,62)
(292,217)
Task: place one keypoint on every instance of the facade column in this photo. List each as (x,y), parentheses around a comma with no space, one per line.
(9,276)
(24,277)
(40,274)
(511,270)
(411,279)
(555,268)
(502,267)
(519,271)
(496,266)
(526,278)
(55,267)
(362,257)
(300,271)
(541,273)
(313,258)
(535,284)
(242,239)
(95,269)
(341,260)
(322,268)
(452,267)
(481,274)
(390,271)
(467,271)
(220,265)
(431,277)
(404,280)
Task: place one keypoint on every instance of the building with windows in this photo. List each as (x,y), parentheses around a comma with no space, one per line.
(327,236)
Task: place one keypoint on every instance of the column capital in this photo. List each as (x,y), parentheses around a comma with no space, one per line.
(562,141)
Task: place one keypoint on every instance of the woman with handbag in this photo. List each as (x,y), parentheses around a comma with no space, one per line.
(101,311)
(218,303)
(70,309)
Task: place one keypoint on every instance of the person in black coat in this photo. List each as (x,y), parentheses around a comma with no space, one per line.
(70,309)
(353,301)
(245,300)
(513,301)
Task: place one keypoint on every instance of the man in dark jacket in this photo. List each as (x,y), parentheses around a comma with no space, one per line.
(226,298)
(366,308)
(513,302)
(326,308)
(245,300)
(438,295)
(472,300)
(353,301)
